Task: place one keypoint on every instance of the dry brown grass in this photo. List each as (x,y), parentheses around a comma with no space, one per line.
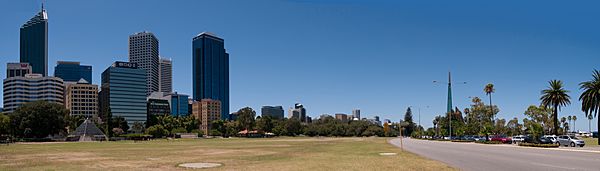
(234,154)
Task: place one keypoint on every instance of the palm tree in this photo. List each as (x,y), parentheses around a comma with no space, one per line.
(556,96)
(435,122)
(574,119)
(563,122)
(590,98)
(489,89)
(569,118)
(590,117)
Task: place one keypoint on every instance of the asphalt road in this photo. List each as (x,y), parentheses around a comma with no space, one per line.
(472,156)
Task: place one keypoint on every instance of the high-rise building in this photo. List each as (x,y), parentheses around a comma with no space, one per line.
(17,69)
(32,87)
(206,111)
(123,92)
(165,75)
(178,102)
(73,71)
(298,112)
(34,43)
(356,114)
(210,74)
(276,112)
(158,107)
(81,98)
(143,50)
(341,116)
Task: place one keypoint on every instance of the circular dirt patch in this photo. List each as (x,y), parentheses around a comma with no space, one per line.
(200,165)
(387,154)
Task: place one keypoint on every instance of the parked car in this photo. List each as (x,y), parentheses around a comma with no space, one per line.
(551,138)
(541,140)
(502,139)
(517,139)
(479,138)
(569,140)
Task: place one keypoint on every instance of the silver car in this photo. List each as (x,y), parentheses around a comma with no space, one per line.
(570,140)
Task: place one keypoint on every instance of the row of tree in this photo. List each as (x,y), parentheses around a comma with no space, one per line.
(543,119)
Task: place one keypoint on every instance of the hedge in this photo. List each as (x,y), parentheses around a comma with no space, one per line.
(539,145)
(489,142)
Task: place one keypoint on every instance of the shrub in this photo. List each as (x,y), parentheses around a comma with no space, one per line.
(489,142)
(157,131)
(178,130)
(197,131)
(539,145)
(462,141)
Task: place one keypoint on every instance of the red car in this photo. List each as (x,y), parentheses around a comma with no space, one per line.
(502,138)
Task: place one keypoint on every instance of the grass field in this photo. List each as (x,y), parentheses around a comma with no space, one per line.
(591,141)
(233,153)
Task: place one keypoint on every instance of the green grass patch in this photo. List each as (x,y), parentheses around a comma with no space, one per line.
(591,141)
(234,153)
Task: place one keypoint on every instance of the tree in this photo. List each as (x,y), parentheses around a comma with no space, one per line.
(246,118)
(590,98)
(489,89)
(39,119)
(555,96)
(408,118)
(590,117)
(265,124)
(574,120)
(435,122)
(117,131)
(565,125)
(4,124)
(157,131)
(73,122)
(569,118)
(219,126)
(541,115)
(513,127)
(137,127)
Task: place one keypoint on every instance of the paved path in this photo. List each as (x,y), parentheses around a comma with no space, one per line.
(472,156)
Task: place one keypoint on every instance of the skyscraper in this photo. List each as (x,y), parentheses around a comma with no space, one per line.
(34,43)
(73,71)
(17,69)
(276,112)
(81,98)
(210,74)
(124,92)
(356,114)
(31,87)
(143,50)
(298,112)
(165,75)
(206,111)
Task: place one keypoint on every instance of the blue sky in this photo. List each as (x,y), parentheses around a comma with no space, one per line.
(333,56)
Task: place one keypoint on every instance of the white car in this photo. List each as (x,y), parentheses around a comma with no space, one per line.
(518,139)
(552,138)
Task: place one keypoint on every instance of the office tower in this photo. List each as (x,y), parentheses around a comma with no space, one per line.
(342,117)
(178,102)
(165,75)
(32,87)
(17,69)
(34,43)
(143,50)
(210,74)
(81,98)
(158,107)
(73,71)
(206,111)
(276,112)
(298,112)
(124,92)
(356,114)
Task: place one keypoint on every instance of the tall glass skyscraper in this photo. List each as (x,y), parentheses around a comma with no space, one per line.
(210,73)
(73,71)
(124,92)
(143,50)
(34,43)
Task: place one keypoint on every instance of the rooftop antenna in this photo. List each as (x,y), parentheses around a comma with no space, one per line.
(43,1)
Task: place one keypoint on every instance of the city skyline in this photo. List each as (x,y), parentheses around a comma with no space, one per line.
(398,75)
